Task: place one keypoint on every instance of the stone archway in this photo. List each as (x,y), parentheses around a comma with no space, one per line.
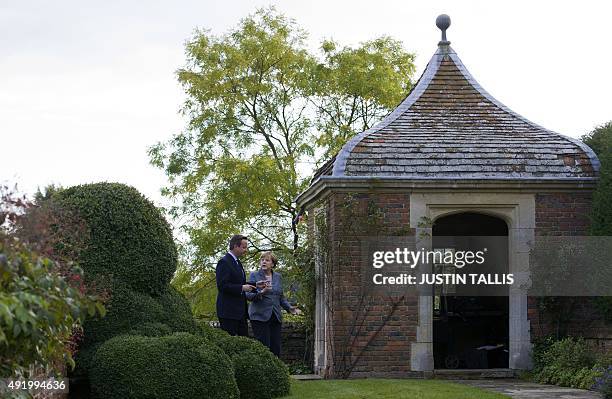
(518,211)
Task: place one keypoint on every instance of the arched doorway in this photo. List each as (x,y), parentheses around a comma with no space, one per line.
(471,332)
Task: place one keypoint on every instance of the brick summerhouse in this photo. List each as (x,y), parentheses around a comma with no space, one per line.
(453,155)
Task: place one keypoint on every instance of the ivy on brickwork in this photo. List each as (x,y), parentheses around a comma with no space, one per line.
(359,217)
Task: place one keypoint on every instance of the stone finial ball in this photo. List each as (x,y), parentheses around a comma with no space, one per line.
(443,22)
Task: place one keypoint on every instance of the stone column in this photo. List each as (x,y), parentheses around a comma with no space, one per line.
(421,351)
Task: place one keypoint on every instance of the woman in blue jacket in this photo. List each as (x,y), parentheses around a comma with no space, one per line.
(265,310)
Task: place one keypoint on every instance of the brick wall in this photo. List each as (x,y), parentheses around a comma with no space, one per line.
(296,347)
(567,214)
(372,334)
(562,214)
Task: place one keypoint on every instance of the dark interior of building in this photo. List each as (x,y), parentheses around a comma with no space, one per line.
(471,332)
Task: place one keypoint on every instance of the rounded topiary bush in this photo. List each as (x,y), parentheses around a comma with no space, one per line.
(211,333)
(176,366)
(126,310)
(83,359)
(151,330)
(177,311)
(129,309)
(259,373)
(129,237)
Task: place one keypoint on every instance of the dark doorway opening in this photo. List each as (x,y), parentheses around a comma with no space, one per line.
(471,332)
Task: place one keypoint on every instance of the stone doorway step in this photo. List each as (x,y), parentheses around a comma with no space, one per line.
(518,389)
(469,374)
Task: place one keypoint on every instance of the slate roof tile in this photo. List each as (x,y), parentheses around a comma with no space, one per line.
(450,127)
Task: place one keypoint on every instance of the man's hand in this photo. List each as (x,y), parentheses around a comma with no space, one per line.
(295,310)
(247,288)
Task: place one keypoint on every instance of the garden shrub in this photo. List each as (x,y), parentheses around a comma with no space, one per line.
(176,311)
(129,237)
(569,362)
(569,354)
(299,367)
(126,310)
(585,378)
(84,359)
(540,346)
(176,366)
(39,310)
(603,383)
(151,330)
(211,333)
(259,373)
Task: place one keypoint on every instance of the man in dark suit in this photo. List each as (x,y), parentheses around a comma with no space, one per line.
(231,285)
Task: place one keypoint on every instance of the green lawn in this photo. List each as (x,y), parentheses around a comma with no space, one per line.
(383,388)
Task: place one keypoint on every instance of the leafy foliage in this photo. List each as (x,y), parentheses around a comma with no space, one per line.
(567,362)
(356,87)
(176,311)
(151,330)
(603,383)
(200,289)
(299,367)
(212,334)
(129,310)
(38,311)
(45,227)
(253,362)
(569,353)
(260,107)
(600,140)
(176,366)
(130,239)
(43,297)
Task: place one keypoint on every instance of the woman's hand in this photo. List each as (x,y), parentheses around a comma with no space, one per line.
(295,310)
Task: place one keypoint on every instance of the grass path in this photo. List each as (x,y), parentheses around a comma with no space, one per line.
(386,388)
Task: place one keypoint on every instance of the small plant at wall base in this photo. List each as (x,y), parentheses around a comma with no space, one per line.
(569,362)
(603,383)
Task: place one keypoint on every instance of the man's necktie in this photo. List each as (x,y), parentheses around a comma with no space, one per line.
(241,268)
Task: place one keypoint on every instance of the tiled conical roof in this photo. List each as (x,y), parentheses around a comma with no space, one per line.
(449,127)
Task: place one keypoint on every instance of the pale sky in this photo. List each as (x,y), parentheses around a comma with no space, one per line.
(86,87)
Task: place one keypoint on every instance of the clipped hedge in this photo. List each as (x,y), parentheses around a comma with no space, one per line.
(83,359)
(151,330)
(129,309)
(259,373)
(126,310)
(210,333)
(130,239)
(177,366)
(177,312)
